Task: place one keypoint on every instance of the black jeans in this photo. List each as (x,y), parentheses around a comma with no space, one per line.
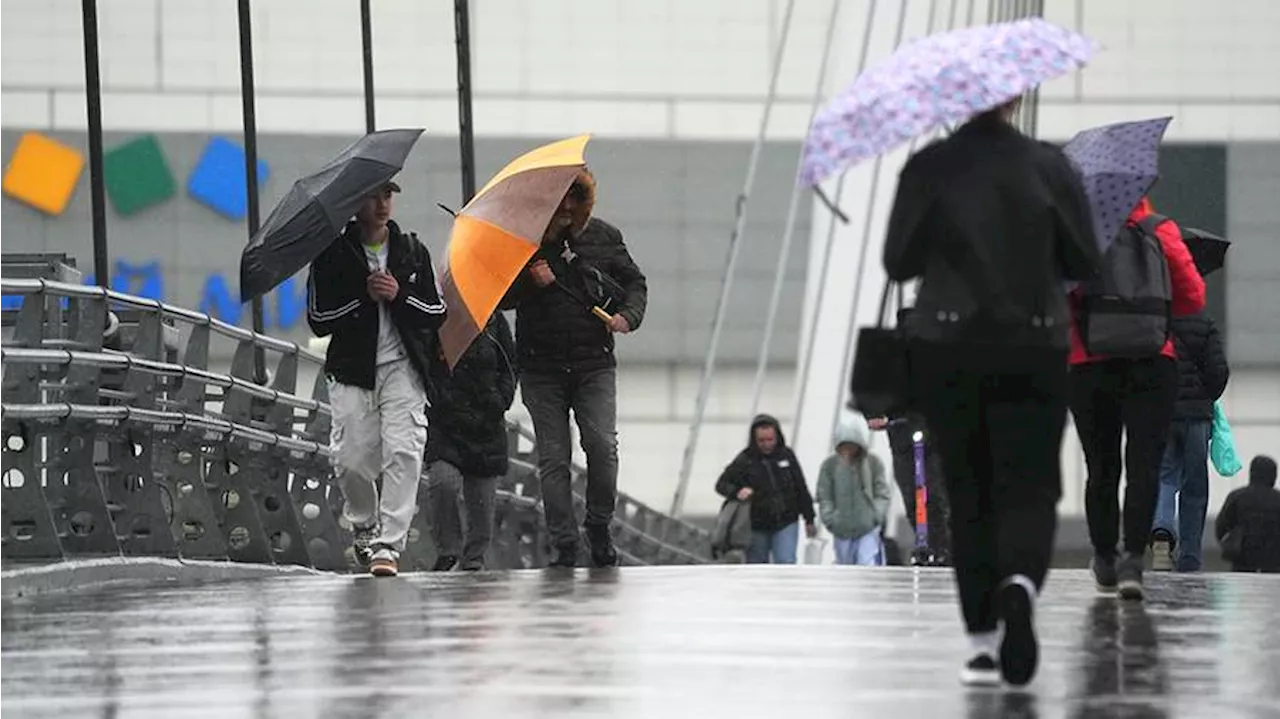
(593,397)
(1134,398)
(997,420)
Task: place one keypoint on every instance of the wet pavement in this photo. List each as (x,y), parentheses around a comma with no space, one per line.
(707,642)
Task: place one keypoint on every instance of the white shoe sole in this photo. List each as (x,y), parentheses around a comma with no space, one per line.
(980,677)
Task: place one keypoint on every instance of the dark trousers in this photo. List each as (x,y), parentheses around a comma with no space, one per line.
(593,398)
(997,421)
(461,512)
(1133,398)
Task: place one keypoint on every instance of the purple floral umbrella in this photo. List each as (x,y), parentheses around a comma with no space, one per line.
(1117,164)
(936,81)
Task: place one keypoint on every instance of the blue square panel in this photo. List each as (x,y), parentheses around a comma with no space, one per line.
(218,178)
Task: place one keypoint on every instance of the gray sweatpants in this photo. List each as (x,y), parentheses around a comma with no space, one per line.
(380,433)
(460,507)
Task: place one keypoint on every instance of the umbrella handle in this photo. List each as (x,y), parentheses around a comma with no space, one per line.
(604,316)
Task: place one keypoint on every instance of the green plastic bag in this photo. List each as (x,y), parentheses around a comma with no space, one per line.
(1222,446)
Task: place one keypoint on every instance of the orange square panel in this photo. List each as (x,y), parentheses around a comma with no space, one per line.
(43,173)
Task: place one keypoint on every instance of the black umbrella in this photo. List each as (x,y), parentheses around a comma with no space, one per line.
(1207,249)
(316,209)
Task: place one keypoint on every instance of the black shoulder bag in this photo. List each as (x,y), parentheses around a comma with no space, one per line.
(881,381)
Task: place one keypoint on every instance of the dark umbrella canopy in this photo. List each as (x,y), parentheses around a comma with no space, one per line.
(317,207)
(1207,249)
(1118,164)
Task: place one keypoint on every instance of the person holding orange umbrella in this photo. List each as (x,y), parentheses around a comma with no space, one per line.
(527,241)
(581,288)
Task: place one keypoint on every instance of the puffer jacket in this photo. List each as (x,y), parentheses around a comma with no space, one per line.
(467,428)
(555,328)
(853,498)
(1202,366)
(779,491)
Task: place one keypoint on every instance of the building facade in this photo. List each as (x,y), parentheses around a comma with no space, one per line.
(673,93)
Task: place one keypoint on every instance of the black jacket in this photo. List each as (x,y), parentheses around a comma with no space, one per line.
(1254,511)
(1202,365)
(780,493)
(467,427)
(338,304)
(555,330)
(993,221)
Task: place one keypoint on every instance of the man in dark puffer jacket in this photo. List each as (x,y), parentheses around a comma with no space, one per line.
(567,362)
(1184,472)
(467,447)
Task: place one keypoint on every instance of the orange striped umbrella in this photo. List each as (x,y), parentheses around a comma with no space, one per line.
(497,232)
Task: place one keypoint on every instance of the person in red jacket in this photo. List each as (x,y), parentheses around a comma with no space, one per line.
(1135,397)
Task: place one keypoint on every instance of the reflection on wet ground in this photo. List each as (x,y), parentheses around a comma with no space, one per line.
(727,641)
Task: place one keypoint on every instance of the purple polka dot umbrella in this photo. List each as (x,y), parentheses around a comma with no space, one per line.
(933,82)
(1118,164)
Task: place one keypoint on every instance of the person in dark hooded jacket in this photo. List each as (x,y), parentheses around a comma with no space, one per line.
(1252,513)
(767,473)
(467,449)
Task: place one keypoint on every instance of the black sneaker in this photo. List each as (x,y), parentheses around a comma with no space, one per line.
(362,543)
(444,563)
(1129,577)
(980,671)
(565,556)
(1019,649)
(471,565)
(600,541)
(1104,573)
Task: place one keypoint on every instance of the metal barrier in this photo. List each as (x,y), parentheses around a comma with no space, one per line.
(123,453)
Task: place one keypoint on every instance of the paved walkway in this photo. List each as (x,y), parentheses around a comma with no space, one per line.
(705,642)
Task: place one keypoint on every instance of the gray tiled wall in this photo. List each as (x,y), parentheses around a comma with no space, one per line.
(1253,265)
(673,200)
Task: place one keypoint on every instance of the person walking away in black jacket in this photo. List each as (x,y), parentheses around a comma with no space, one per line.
(1184,471)
(767,473)
(567,363)
(1252,514)
(374,293)
(467,447)
(993,222)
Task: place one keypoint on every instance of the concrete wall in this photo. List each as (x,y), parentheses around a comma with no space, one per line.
(691,75)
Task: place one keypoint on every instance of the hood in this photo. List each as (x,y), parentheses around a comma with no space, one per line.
(1141,210)
(765,420)
(1262,471)
(582,213)
(851,428)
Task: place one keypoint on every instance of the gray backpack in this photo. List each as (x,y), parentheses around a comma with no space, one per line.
(1126,309)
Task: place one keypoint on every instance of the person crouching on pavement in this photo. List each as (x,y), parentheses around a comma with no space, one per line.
(374,293)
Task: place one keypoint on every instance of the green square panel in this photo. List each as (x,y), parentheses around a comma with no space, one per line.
(137,176)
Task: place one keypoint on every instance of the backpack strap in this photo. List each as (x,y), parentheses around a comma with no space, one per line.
(1151,222)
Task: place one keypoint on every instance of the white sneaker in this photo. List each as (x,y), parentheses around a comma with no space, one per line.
(385,563)
(980,671)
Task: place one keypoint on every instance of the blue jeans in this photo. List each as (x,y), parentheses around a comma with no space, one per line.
(774,547)
(1184,490)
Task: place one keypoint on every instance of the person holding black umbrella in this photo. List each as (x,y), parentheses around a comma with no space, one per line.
(374,292)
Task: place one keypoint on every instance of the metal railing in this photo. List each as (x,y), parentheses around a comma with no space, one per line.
(150,453)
